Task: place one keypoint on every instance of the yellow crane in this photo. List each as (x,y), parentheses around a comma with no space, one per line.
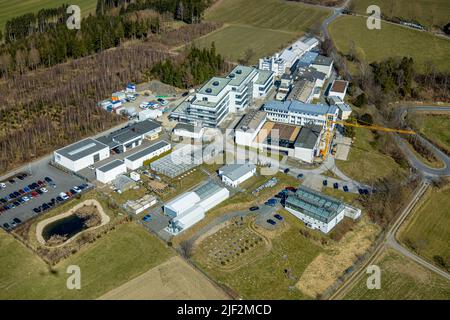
(330,121)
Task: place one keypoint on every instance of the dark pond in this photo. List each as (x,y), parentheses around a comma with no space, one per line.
(69,226)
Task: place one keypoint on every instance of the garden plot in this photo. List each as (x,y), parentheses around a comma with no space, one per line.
(232,246)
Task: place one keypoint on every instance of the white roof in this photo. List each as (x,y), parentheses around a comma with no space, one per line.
(184,202)
(190,217)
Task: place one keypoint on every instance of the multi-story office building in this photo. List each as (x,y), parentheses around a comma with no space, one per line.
(220,96)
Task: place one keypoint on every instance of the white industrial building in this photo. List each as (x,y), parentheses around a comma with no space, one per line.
(81,154)
(220,96)
(344,109)
(317,210)
(279,62)
(149,114)
(249,126)
(136,160)
(190,207)
(131,136)
(300,142)
(110,171)
(295,112)
(189,130)
(323,64)
(338,89)
(234,174)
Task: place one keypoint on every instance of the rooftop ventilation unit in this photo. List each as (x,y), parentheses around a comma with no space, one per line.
(208,90)
(215,83)
(239,71)
(232,75)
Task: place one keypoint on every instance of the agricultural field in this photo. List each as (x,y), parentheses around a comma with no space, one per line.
(9,10)
(402,278)
(365,162)
(173,279)
(427,232)
(117,257)
(273,26)
(269,272)
(229,40)
(390,41)
(427,12)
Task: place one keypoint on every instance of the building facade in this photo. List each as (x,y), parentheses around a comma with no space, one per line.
(136,160)
(234,174)
(109,172)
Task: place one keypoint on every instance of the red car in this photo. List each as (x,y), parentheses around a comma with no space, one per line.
(34,194)
(69,194)
(41,183)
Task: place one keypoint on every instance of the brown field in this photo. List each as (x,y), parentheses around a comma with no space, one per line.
(174,279)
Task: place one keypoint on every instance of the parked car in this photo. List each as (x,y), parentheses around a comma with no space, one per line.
(335,185)
(254,208)
(44,189)
(277,216)
(325,182)
(270,221)
(37,210)
(63,196)
(2,185)
(6,226)
(17,220)
(41,183)
(147,217)
(345,188)
(12,181)
(76,189)
(162,101)
(300,176)
(27,190)
(39,191)
(286,170)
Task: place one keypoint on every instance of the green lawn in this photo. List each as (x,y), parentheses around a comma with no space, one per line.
(365,162)
(10,9)
(117,257)
(402,278)
(428,230)
(265,26)
(230,39)
(426,12)
(264,277)
(390,41)
(437,129)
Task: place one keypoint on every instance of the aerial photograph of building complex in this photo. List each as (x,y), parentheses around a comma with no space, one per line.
(226,150)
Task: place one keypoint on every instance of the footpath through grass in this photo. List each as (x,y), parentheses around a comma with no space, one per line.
(390,41)
(117,257)
(402,278)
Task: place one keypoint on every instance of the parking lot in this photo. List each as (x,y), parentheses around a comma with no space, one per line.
(36,171)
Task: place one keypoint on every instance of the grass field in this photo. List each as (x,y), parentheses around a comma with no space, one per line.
(10,9)
(437,129)
(428,229)
(264,26)
(264,277)
(229,40)
(390,41)
(426,12)
(117,257)
(365,163)
(402,278)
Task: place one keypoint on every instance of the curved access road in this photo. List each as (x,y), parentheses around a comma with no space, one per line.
(412,158)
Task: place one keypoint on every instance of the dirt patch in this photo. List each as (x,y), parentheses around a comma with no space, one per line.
(84,208)
(174,279)
(410,269)
(338,257)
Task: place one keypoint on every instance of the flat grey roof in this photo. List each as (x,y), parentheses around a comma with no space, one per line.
(239,74)
(206,190)
(81,149)
(128,133)
(263,76)
(147,151)
(111,165)
(308,136)
(251,120)
(214,86)
(323,60)
(297,106)
(235,171)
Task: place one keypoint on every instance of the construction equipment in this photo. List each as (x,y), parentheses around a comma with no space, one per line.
(330,122)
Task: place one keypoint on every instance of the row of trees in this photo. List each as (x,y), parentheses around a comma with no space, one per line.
(198,66)
(189,11)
